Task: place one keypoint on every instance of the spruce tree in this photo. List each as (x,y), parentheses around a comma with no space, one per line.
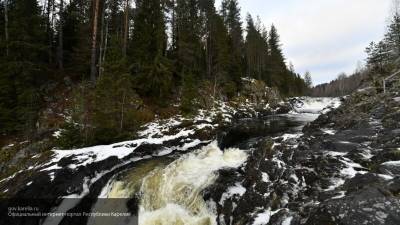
(22,71)
(77,39)
(115,100)
(152,69)
(277,67)
(189,48)
(232,20)
(392,38)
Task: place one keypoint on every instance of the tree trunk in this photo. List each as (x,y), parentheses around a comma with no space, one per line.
(121,127)
(6,24)
(126,29)
(93,66)
(105,44)
(60,55)
(173,26)
(50,22)
(102,40)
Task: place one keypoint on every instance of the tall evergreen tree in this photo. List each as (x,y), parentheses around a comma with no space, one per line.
(152,68)
(77,39)
(189,48)
(232,19)
(392,38)
(22,72)
(277,67)
(94,45)
(60,50)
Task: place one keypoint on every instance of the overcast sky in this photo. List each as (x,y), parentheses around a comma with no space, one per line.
(326,37)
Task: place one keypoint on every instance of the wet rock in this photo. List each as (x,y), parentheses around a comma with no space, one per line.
(284,217)
(391,168)
(394,186)
(366,207)
(363,180)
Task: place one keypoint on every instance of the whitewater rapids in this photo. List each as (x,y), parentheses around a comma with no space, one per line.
(172,195)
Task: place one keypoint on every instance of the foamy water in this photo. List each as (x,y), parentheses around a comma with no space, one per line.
(172,195)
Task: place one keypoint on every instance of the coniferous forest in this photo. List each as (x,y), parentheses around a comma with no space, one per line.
(177,112)
(115,64)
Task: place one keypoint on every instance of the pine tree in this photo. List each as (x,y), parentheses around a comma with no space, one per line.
(222,79)
(277,67)
(6,26)
(308,79)
(60,50)
(392,38)
(152,68)
(115,100)
(22,72)
(251,48)
(77,38)
(126,28)
(232,20)
(189,48)
(94,44)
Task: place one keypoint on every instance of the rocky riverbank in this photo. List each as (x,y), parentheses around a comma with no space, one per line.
(343,168)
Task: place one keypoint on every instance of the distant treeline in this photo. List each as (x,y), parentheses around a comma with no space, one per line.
(383,59)
(341,86)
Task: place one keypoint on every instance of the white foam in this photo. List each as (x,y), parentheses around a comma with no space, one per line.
(315,105)
(173,195)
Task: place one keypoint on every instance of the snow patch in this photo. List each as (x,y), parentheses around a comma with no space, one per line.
(287,221)
(386,177)
(57,134)
(391,163)
(340,195)
(291,136)
(265,177)
(238,189)
(263,218)
(329,131)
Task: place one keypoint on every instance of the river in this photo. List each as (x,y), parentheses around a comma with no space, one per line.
(170,190)
(167,174)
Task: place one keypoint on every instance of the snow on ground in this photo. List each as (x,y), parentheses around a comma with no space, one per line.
(263,217)
(238,189)
(265,177)
(350,169)
(329,131)
(85,156)
(391,163)
(156,132)
(286,137)
(287,221)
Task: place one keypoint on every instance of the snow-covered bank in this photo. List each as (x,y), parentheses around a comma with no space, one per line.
(177,129)
(158,138)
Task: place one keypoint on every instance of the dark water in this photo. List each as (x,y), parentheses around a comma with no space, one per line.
(250,130)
